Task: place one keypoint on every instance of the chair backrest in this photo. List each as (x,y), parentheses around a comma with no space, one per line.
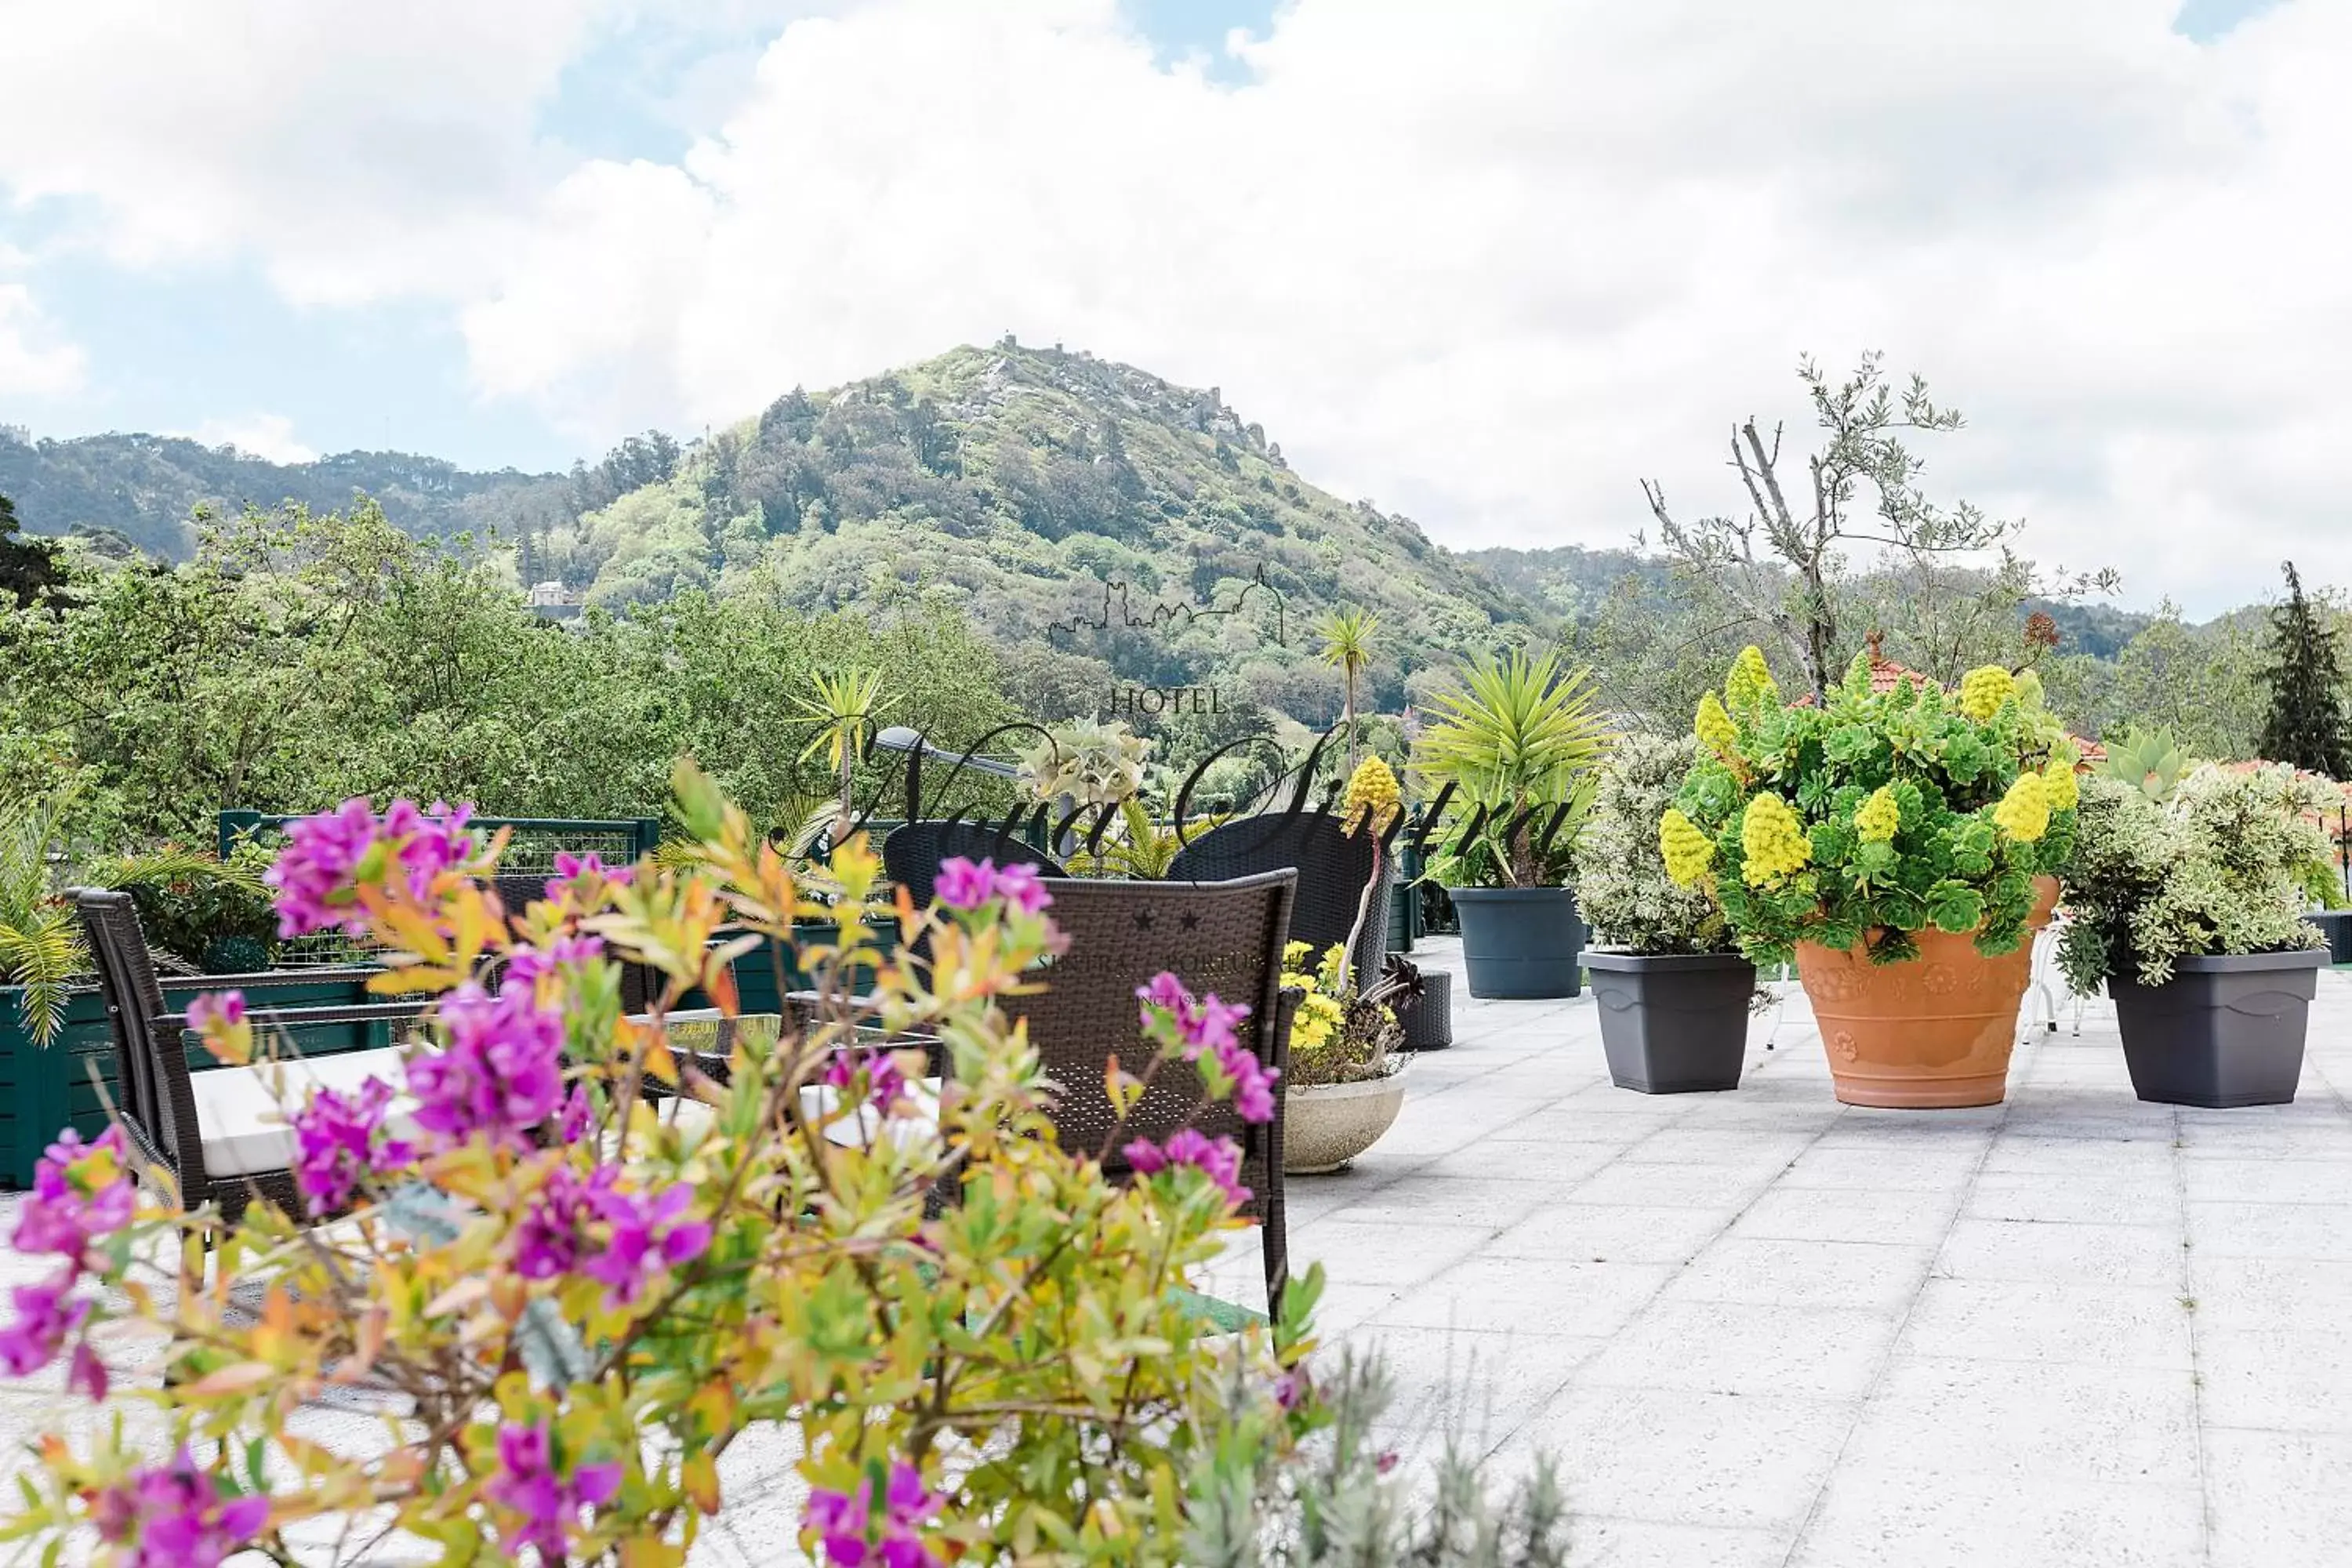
(1333,867)
(133,997)
(1221,937)
(912,854)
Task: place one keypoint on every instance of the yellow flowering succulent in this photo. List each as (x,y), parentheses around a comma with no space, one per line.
(1715,731)
(1773,842)
(1373,799)
(1320,1014)
(1752,686)
(2058,781)
(2029,690)
(1689,852)
(2024,812)
(1984,689)
(1878,817)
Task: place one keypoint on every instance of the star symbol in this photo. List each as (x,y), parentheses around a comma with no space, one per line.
(1143,919)
(1189,920)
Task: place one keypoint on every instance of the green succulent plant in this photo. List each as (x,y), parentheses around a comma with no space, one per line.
(2149,761)
(1875,816)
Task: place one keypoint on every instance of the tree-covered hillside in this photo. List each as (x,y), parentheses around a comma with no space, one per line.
(1021,486)
(144,489)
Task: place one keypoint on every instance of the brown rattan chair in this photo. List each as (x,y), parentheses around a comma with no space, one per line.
(1221,937)
(1333,866)
(211,1133)
(913,852)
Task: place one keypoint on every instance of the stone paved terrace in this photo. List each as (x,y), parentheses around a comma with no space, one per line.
(1763,1329)
(1760,1329)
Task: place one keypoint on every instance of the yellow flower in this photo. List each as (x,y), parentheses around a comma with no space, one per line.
(1752,686)
(1688,851)
(2058,782)
(2029,690)
(1372,799)
(1773,842)
(1984,690)
(2024,812)
(1715,731)
(1878,817)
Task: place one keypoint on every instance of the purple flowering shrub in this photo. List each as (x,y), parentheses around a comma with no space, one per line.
(579,1266)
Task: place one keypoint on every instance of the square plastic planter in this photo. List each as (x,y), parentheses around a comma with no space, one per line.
(1673,1022)
(2223,1033)
(2336,926)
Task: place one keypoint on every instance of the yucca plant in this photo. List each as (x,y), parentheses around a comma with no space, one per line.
(40,939)
(2149,761)
(843,705)
(1520,743)
(1135,847)
(1347,636)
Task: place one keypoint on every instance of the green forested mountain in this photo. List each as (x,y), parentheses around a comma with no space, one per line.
(1042,493)
(144,487)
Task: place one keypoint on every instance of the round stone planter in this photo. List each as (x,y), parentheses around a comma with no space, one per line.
(1325,1125)
(1932,1033)
(1671,1023)
(1519,943)
(2224,1032)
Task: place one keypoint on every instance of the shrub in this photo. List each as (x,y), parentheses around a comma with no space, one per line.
(576,1298)
(1875,816)
(1519,743)
(1622,885)
(2221,868)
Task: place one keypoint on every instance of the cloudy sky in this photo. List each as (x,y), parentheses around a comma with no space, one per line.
(1489,262)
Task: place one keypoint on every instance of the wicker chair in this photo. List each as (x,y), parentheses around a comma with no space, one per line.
(214,1134)
(1223,937)
(1333,866)
(913,852)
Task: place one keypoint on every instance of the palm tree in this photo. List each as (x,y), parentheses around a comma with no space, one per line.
(1522,737)
(1347,636)
(40,942)
(843,706)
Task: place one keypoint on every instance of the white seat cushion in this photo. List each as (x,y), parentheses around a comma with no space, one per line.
(242,1113)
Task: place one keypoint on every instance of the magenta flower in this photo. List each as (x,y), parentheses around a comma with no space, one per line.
(213,1010)
(328,855)
(176,1516)
(86,1374)
(501,1074)
(886,1086)
(967,885)
(340,1142)
(80,1192)
(1023,889)
(592,1227)
(552,1236)
(578,1115)
(644,1238)
(527,1483)
(528,965)
(47,1315)
(963,884)
(852,1532)
(571,867)
(1220,1159)
(1193,1027)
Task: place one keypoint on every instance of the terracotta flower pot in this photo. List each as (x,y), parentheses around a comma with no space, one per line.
(1931,1033)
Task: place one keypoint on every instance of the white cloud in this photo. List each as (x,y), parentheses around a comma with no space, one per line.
(1489,263)
(36,362)
(270,436)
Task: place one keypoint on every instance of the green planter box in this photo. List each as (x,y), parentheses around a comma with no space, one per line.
(46,1088)
(760,989)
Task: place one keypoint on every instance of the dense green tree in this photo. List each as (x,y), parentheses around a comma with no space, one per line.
(2306,724)
(28,567)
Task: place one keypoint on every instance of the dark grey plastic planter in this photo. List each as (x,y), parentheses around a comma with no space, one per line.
(1673,1022)
(2225,1032)
(1519,943)
(2337,925)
